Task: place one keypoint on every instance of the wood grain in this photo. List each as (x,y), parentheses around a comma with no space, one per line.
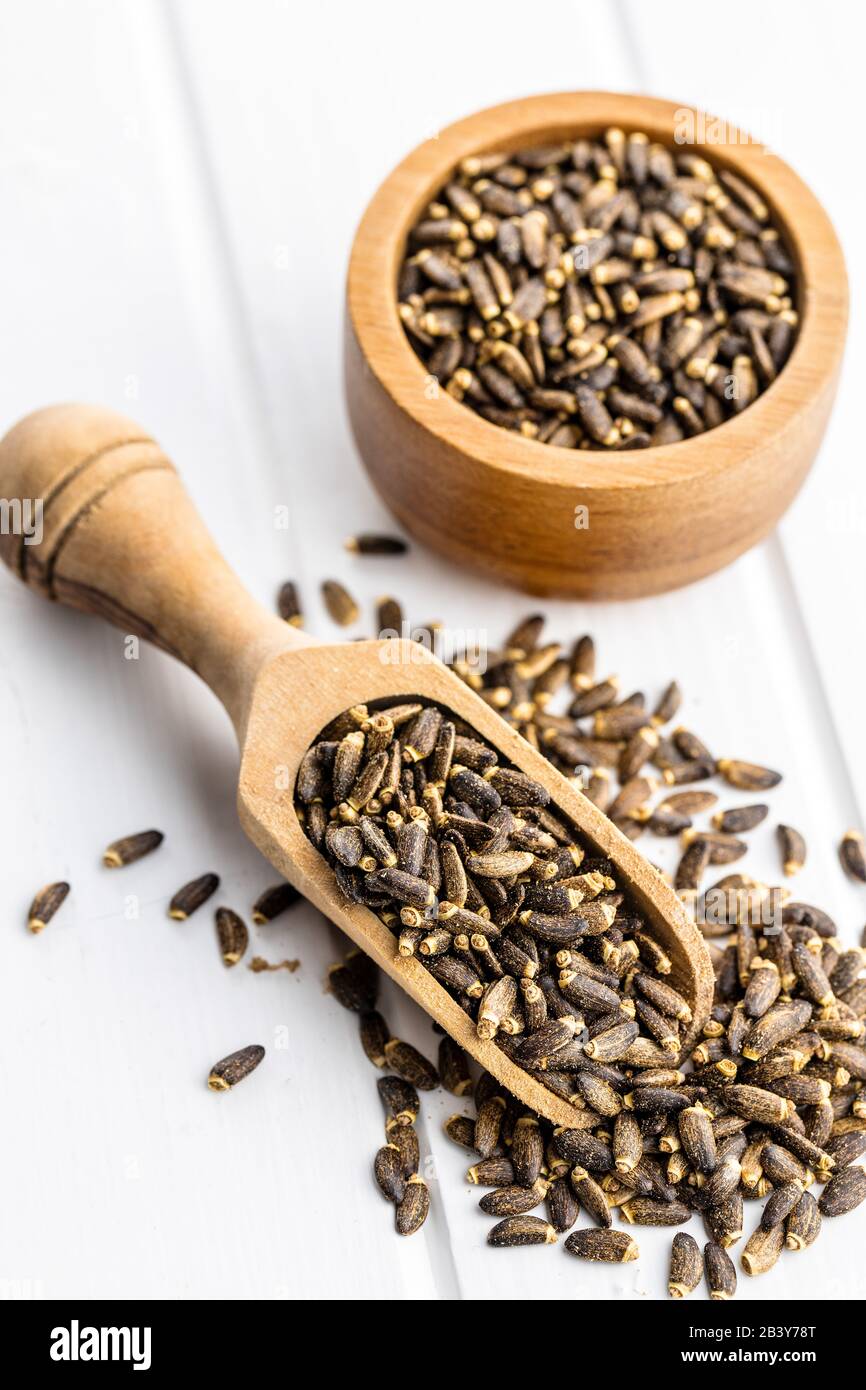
(121,539)
(487,498)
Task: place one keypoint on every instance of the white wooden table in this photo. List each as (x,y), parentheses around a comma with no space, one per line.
(180,184)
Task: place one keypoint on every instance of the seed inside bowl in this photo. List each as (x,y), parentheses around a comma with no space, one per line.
(599,294)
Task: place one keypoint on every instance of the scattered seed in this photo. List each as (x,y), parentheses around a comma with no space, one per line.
(191,896)
(793,848)
(414,1208)
(844,1192)
(720,1272)
(342,608)
(288,604)
(610,1247)
(522,1230)
(409,1063)
(405,1141)
(852,855)
(232,935)
(803,1224)
(273,901)
(763,1249)
(45,904)
(388,1172)
(686,1266)
(399,1098)
(371,543)
(232,1069)
(748,777)
(131,848)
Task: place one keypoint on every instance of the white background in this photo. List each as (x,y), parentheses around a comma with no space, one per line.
(179,187)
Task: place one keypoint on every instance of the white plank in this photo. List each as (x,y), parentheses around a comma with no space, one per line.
(130,1178)
(730,73)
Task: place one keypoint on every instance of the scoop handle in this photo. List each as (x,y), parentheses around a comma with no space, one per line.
(96,517)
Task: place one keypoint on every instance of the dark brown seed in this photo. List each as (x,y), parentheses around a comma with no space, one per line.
(813,980)
(668,704)
(852,855)
(664,997)
(647,1211)
(698,1140)
(724,1220)
(409,1063)
(590,1195)
(686,1266)
(720,1272)
(454,1067)
(691,867)
(374,1035)
(781,1022)
(846,1148)
(288,604)
(763,1248)
(780,1166)
(609,1247)
(780,1204)
(513,1200)
(461,1130)
(488,1125)
(405,1140)
(748,777)
(389,616)
(739,819)
(627,1142)
(388,1172)
(563,1208)
(491,1172)
(803,1224)
(414,1208)
(370,543)
(131,848)
(527,1151)
(191,896)
(342,608)
(273,901)
(844,1192)
(753,1103)
(352,989)
(45,904)
(232,935)
(232,1069)
(400,1099)
(793,848)
(763,987)
(522,1230)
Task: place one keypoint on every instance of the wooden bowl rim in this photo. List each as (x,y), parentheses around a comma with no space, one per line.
(380,239)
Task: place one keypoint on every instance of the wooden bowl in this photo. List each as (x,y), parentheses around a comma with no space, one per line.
(492,500)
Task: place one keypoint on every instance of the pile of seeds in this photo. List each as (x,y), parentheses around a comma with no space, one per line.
(606,293)
(464,861)
(771,1099)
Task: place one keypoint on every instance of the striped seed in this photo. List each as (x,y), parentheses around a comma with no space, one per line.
(45,904)
(232,1069)
(686,1266)
(232,935)
(131,848)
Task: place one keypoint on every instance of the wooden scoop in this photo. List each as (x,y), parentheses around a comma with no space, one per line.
(121,538)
